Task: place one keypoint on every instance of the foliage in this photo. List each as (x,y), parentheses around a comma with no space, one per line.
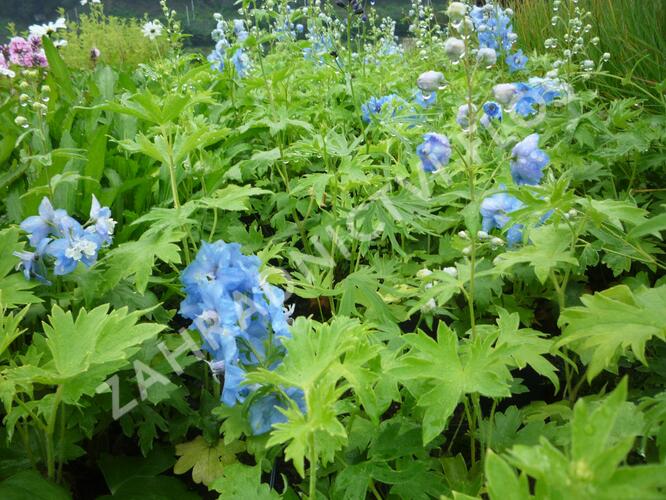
(339,266)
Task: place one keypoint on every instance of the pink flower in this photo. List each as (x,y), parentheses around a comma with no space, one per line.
(18,48)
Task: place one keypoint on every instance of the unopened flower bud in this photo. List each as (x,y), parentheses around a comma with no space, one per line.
(454,48)
(422,273)
(464,235)
(467,250)
(482,235)
(456,11)
(21,121)
(451,271)
(430,81)
(498,242)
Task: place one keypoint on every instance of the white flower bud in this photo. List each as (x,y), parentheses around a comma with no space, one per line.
(498,242)
(454,48)
(486,56)
(464,235)
(504,93)
(482,235)
(422,273)
(429,306)
(430,81)
(451,271)
(467,250)
(456,11)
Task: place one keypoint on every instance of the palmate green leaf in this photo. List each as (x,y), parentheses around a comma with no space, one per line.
(85,350)
(241,482)
(613,321)
(14,288)
(137,258)
(614,212)
(232,197)
(319,427)
(206,462)
(451,372)
(528,347)
(548,250)
(590,466)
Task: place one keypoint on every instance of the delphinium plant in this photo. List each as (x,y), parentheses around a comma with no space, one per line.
(338,266)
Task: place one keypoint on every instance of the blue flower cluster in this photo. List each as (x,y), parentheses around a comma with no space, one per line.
(53,233)
(320,46)
(217,57)
(434,152)
(527,164)
(493,27)
(528,161)
(494,210)
(525,97)
(378,106)
(494,31)
(242,321)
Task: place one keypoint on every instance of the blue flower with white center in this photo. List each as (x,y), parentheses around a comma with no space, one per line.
(102,223)
(516,62)
(434,152)
(76,245)
(242,319)
(425,101)
(495,212)
(41,226)
(491,111)
(528,161)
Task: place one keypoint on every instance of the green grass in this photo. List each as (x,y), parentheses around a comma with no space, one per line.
(632,31)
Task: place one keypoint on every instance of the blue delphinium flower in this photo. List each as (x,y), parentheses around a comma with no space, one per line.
(495,210)
(41,226)
(462,117)
(528,161)
(434,152)
(101,222)
(264,411)
(425,101)
(53,233)
(320,46)
(239,316)
(493,26)
(239,30)
(241,62)
(517,61)
(491,111)
(76,245)
(377,106)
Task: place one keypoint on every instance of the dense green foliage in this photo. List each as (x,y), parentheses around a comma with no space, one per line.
(428,354)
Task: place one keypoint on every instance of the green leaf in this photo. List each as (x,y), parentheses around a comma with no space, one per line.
(137,258)
(654,226)
(86,350)
(118,470)
(30,485)
(451,372)
(502,480)
(236,198)
(528,347)
(241,482)
(59,70)
(612,322)
(549,250)
(207,462)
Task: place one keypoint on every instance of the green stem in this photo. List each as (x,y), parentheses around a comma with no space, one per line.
(313,467)
(50,429)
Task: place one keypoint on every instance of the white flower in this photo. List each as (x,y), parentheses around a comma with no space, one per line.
(39,30)
(84,2)
(152,29)
(456,10)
